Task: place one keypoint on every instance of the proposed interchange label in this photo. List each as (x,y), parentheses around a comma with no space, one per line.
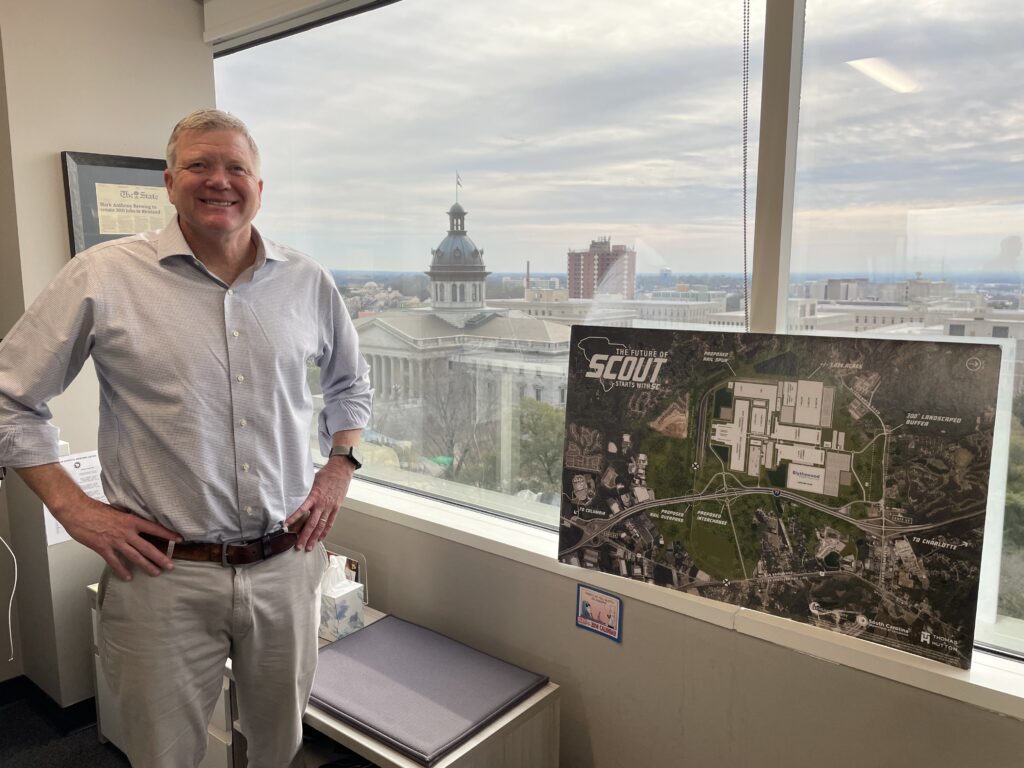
(836,482)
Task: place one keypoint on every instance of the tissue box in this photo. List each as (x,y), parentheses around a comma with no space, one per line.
(342,611)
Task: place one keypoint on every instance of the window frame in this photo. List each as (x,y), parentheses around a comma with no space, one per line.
(777,156)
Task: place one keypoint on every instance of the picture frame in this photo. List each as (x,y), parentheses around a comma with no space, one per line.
(111,196)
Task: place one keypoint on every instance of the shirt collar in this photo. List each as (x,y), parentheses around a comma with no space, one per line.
(266,250)
(172,243)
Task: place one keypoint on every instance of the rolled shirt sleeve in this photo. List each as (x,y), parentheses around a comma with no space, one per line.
(344,374)
(39,358)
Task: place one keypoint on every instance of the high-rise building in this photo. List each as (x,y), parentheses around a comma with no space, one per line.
(602,269)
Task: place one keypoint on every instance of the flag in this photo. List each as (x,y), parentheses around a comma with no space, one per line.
(458,179)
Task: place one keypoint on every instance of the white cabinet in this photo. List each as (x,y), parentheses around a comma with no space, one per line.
(53,622)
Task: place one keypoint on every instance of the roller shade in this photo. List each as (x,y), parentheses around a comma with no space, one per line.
(230,25)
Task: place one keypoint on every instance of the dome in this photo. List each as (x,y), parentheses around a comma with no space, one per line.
(457,250)
(457,272)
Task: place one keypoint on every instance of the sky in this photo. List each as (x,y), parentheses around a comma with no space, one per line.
(582,119)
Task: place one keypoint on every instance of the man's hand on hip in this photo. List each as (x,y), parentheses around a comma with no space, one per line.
(112,534)
(330,485)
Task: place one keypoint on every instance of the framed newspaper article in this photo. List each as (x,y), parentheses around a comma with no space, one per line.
(110,196)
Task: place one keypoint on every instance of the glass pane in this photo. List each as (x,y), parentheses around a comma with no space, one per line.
(481,176)
(909,208)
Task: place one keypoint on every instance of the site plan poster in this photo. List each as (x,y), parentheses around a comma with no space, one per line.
(839,482)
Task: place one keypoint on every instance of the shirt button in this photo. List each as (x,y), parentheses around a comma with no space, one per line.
(248,510)
(245,467)
(242,422)
(230,292)
(240,378)
(236,334)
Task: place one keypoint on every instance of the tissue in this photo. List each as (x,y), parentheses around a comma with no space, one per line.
(341,602)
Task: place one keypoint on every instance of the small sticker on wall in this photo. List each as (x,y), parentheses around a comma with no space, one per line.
(599,612)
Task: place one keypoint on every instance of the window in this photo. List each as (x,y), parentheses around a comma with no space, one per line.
(910,178)
(908,193)
(618,170)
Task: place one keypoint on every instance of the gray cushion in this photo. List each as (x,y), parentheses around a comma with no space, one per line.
(414,689)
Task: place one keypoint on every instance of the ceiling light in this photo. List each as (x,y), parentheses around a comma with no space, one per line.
(885,73)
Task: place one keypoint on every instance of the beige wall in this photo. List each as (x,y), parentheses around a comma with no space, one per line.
(103,76)
(11,305)
(11,300)
(677,691)
(8,668)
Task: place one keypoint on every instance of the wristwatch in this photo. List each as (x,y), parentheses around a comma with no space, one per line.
(349,452)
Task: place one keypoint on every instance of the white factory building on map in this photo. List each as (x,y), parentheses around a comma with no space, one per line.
(772,422)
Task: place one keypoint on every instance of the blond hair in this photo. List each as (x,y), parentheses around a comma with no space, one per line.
(210,120)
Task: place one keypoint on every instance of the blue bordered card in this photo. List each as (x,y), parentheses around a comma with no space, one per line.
(599,612)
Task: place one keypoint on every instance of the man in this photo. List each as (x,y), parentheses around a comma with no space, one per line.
(200,334)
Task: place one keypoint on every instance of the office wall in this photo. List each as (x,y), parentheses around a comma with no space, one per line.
(8,667)
(11,301)
(101,76)
(677,692)
(11,305)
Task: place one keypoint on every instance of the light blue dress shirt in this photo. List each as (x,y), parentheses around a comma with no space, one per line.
(205,408)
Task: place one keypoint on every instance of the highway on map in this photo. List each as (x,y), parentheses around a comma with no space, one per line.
(878,527)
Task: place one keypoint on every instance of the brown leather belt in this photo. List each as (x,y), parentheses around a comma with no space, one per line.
(228,553)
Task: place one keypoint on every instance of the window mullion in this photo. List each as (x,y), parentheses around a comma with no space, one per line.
(776,163)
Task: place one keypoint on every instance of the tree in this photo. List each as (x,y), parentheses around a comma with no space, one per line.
(1013,528)
(1011,575)
(448,428)
(542,445)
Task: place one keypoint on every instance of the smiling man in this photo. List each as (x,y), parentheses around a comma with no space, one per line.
(212,179)
(200,335)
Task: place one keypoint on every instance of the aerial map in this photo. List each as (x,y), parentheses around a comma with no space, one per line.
(839,482)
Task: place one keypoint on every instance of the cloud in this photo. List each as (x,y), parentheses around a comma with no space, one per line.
(580,119)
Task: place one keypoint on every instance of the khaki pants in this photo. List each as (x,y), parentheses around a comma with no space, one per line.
(164,641)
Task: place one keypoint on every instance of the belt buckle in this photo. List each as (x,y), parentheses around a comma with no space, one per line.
(224,550)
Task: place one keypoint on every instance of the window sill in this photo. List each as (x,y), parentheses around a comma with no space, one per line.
(993,683)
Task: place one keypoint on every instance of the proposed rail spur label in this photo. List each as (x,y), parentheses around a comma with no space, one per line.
(812,478)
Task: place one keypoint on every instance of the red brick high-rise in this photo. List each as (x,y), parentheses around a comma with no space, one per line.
(602,269)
